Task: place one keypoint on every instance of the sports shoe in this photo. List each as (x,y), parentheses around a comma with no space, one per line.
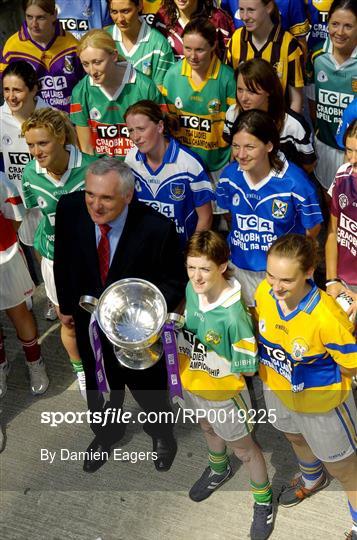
(38,377)
(208,483)
(81,379)
(352,535)
(50,311)
(4,371)
(297,492)
(263,522)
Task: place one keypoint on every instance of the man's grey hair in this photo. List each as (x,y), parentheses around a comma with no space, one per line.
(108,164)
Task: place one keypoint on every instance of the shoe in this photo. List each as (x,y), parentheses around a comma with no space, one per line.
(50,311)
(263,522)
(208,483)
(4,371)
(38,377)
(352,535)
(81,379)
(297,492)
(166,451)
(97,454)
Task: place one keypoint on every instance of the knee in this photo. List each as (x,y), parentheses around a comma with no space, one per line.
(207,429)
(296,438)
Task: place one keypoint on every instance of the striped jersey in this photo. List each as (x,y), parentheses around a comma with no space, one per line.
(57,65)
(281,50)
(92,106)
(317,11)
(216,345)
(283,202)
(79,16)
(11,209)
(151,54)
(301,353)
(41,190)
(175,189)
(201,109)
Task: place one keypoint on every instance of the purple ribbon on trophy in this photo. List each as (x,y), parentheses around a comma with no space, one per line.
(172,362)
(100,374)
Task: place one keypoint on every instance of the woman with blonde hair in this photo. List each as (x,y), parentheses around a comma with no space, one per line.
(58,168)
(100,100)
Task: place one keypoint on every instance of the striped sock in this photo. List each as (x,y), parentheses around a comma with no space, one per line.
(31,349)
(218,461)
(76,364)
(262,493)
(311,472)
(354,516)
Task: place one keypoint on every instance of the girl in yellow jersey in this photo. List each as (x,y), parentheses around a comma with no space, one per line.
(308,356)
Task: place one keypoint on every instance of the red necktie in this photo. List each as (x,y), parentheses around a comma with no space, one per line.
(104,251)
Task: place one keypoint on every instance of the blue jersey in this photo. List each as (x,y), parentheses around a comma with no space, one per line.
(79,16)
(176,188)
(317,11)
(348,117)
(284,202)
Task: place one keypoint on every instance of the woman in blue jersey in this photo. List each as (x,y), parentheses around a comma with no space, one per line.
(168,176)
(58,168)
(308,356)
(217,348)
(265,195)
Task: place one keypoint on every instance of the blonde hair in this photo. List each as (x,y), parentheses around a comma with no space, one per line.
(98,39)
(55,121)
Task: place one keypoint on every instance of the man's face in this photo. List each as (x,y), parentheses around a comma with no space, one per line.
(104,197)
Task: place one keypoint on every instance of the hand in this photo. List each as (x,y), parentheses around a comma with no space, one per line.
(353,307)
(335,289)
(66,320)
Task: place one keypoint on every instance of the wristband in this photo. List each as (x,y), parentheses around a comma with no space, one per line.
(333,281)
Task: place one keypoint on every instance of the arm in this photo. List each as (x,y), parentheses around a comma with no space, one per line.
(84,139)
(296,98)
(314,231)
(205,217)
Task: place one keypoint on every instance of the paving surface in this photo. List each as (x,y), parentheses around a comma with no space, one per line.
(124,499)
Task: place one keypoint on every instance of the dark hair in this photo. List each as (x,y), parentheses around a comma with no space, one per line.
(297,246)
(154,112)
(257,75)
(49,6)
(209,244)
(204,9)
(259,124)
(351,131)
(203,27)
(136,2)
(274,14)
(24,71)
(351,5)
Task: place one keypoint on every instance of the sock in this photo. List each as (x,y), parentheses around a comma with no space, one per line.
(262,493)
(76,364)
(354,516)
(2,350)
(218,461)
(31,349)
(311,472)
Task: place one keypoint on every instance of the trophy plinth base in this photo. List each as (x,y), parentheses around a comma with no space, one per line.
(142,359)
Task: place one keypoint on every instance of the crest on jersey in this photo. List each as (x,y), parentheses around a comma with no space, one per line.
(342,200)
(138,186)
(354,84)
(94,114)
(213,337)
(6,140)
(236,199)
(279,209)
(214,105)
(147,68)
(177,191)
(321,76)
(41,202)
(68,64)
(178,103)
(299,348)
(279,68)
(262,326)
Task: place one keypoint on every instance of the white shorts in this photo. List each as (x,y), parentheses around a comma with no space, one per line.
(332,436)
(328,161)
(230,419)
(49,279)
(249,281)
(15,282)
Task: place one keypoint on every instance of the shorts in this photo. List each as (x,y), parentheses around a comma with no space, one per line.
(29,225)
(328,161)
(49,279)
(230,419)
(16,284)
(332,436)
(249,281)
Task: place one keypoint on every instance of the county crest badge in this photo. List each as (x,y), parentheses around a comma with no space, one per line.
(177,191)
(279,209)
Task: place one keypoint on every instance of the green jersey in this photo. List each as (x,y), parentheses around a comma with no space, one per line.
(201,109)
(92,106)
(43,191)
(151,54)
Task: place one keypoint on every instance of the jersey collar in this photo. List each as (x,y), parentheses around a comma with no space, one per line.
(129,77)
(24,35)
(213,70)
(307,304)
(272,174)
(75,160)
(170,156)
(273,36)
(143,36)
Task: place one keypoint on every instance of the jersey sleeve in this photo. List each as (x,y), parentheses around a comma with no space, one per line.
(295,60)
(10,201)
(200,186)
(306,202)
(244,345)
(336,334)
(298,22)
(223,191)
(79,113)
(163,61)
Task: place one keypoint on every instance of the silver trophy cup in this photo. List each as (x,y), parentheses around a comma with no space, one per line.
(131,313)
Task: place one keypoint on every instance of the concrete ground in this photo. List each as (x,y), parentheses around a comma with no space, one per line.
(124,499)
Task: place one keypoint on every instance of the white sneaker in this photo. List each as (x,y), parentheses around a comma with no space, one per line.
(4,371)
(38,377)
(81,378)
(50,311)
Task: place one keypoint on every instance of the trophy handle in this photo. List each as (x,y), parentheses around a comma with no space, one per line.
(179,320)
(89,303)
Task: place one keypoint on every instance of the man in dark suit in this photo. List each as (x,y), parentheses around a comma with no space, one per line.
(142,244)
